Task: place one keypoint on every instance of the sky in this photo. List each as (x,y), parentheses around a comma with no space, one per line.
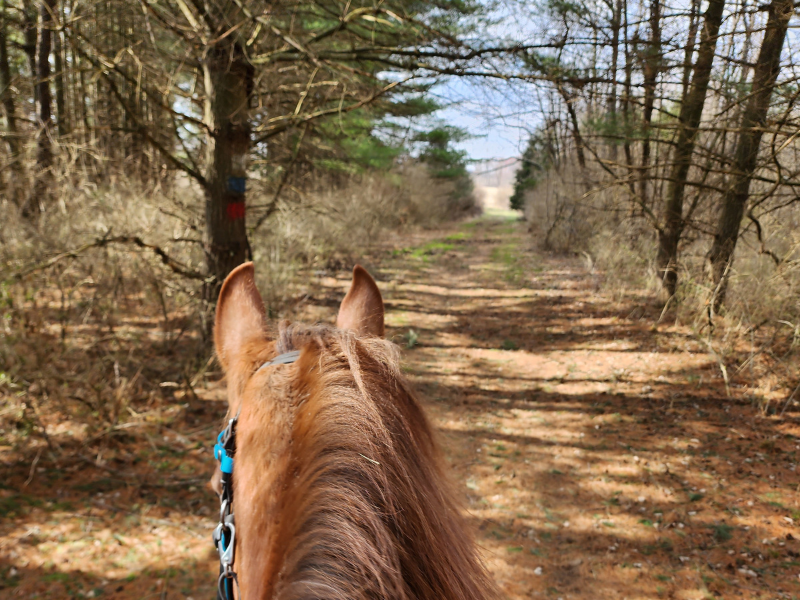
(493,111)
(490,113)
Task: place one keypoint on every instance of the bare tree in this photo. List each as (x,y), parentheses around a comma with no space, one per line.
(737,192)
(40,191)
(228,81)
(688,122)
(651,65)
(10,110)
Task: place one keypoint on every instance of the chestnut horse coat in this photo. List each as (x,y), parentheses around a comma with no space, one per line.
(339,491)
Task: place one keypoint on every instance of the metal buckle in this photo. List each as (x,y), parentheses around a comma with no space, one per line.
(227,575)
(223,511)
(226,552)
(227,432)
(223,439)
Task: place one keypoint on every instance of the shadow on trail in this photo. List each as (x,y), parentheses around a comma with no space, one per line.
(111,502)
(535,325)
(601,457)
(156,581)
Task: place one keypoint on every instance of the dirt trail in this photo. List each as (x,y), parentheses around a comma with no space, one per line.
(599,456)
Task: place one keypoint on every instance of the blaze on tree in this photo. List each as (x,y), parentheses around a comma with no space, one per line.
(228,79)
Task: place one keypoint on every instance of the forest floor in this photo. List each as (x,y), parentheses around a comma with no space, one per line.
(599,454)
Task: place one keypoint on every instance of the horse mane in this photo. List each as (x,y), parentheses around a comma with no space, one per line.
(339,488)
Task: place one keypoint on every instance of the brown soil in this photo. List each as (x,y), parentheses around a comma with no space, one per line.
(599,456)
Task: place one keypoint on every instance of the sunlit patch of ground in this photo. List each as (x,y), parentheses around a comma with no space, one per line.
(598,456)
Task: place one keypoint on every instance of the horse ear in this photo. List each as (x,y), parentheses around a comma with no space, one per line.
(362,308)
(240,313)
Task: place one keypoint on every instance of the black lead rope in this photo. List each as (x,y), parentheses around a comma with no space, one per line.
(225,533)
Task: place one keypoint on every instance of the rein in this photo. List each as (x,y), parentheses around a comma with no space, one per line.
(224,536)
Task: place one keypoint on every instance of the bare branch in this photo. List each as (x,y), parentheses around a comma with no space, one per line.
(174,265)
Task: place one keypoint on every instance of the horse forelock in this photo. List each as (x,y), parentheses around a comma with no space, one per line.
(339,489)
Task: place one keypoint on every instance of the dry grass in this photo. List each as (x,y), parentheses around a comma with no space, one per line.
(599,458)
(333,227)
(97,334)
(754,341)
(108,394)
(91,338)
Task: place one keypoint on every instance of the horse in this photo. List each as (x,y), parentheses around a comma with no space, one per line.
(339,490)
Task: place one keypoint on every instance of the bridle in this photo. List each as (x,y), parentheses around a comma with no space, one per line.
(225,532)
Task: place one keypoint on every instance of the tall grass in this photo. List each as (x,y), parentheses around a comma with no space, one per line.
(756,337)
(100,332)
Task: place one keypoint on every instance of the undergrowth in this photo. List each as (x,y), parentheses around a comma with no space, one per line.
(754,340)
(98,334)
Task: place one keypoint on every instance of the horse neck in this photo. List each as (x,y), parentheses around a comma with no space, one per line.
(339,496)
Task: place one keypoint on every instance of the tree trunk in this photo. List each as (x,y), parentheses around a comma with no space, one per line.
(228,78)
(616,18)
(576,130)
(688,122)
(652,65)
(734,201)
(82,99)
(689,50)
(29,35)
(9,108)
(44,148)
(62,118)
(627,113)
